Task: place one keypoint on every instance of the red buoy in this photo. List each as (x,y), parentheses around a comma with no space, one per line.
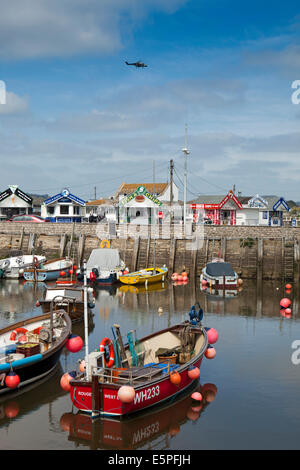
(62,273)
(285,302)
(74,343)
(74,267)
(288,286)
(12,380)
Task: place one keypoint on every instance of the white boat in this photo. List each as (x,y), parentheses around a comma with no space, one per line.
(219,274)
(49,271)
(103,266)
(13,267)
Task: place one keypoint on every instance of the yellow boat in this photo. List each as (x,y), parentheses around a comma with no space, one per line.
(145,276)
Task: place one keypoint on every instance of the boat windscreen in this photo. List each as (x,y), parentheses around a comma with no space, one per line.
(219,269)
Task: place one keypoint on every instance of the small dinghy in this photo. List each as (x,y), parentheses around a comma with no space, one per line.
(71,299)
(30,349)
(49,271)
(145,276)
(13,267)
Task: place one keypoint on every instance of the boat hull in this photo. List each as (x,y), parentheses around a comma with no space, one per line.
(47,274)
(143,279)
(151,394)
(32,368)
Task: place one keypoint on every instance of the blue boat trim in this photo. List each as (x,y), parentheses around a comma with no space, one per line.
(21,362)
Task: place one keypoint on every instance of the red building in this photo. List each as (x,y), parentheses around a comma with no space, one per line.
(216,210)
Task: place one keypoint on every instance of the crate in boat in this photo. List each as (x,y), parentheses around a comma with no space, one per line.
(29,349)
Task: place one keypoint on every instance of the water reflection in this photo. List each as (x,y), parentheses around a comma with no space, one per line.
(36,395)
(151,430)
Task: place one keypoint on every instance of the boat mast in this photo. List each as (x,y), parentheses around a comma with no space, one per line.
(186,152)
(154,220)
(86,328)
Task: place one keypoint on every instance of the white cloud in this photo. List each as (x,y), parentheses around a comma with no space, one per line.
(58,28)
(14,104)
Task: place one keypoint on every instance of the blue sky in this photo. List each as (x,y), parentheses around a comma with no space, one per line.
(76,116)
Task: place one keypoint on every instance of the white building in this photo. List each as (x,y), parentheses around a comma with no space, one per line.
(145,203)
(13,201)
(262,210)
(63,207)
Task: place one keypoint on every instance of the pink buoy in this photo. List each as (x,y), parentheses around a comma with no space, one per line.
(196,396)
(285,302)
(210,353)
(174,276)
(74,343)
(194,373)
(82,366)
(212,335)
(179,277)
(203,282)
(37,304)
(126,394)
(65,380)
(288,311)
(184,278)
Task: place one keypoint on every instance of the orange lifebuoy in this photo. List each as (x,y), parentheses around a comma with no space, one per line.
(16,332)
(107,342)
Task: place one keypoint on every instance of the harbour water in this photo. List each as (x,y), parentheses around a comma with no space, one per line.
(250,389)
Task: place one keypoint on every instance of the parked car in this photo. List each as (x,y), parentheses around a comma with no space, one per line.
(27,218)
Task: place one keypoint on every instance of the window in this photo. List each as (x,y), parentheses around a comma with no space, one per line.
(51,210)
(64,210)
(76,210)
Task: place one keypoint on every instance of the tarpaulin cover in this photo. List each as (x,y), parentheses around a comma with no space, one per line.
(219,269)
(105,259)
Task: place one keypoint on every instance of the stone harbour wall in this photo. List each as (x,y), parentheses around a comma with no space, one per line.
(255,252)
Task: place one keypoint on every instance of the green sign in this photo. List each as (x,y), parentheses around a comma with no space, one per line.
(140,191)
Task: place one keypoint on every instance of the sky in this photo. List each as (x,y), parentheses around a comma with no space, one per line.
(77,117)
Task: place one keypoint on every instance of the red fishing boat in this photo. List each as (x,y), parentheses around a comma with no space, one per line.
(121,379)
(151,427)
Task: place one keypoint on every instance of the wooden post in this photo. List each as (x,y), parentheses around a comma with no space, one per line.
(148,251)
(81,247)
(63,240)
(136,248)
(31,243)
(172,255)
(223,248)
(194,259)
(260,254)
(21,239)
(296,262)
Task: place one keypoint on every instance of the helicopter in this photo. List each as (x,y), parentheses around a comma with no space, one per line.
(137,64)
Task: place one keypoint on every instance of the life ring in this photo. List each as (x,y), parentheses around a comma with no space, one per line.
(35,262)
(107,342)
(6,264)
(37,330)
(105,244)
(16,332)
